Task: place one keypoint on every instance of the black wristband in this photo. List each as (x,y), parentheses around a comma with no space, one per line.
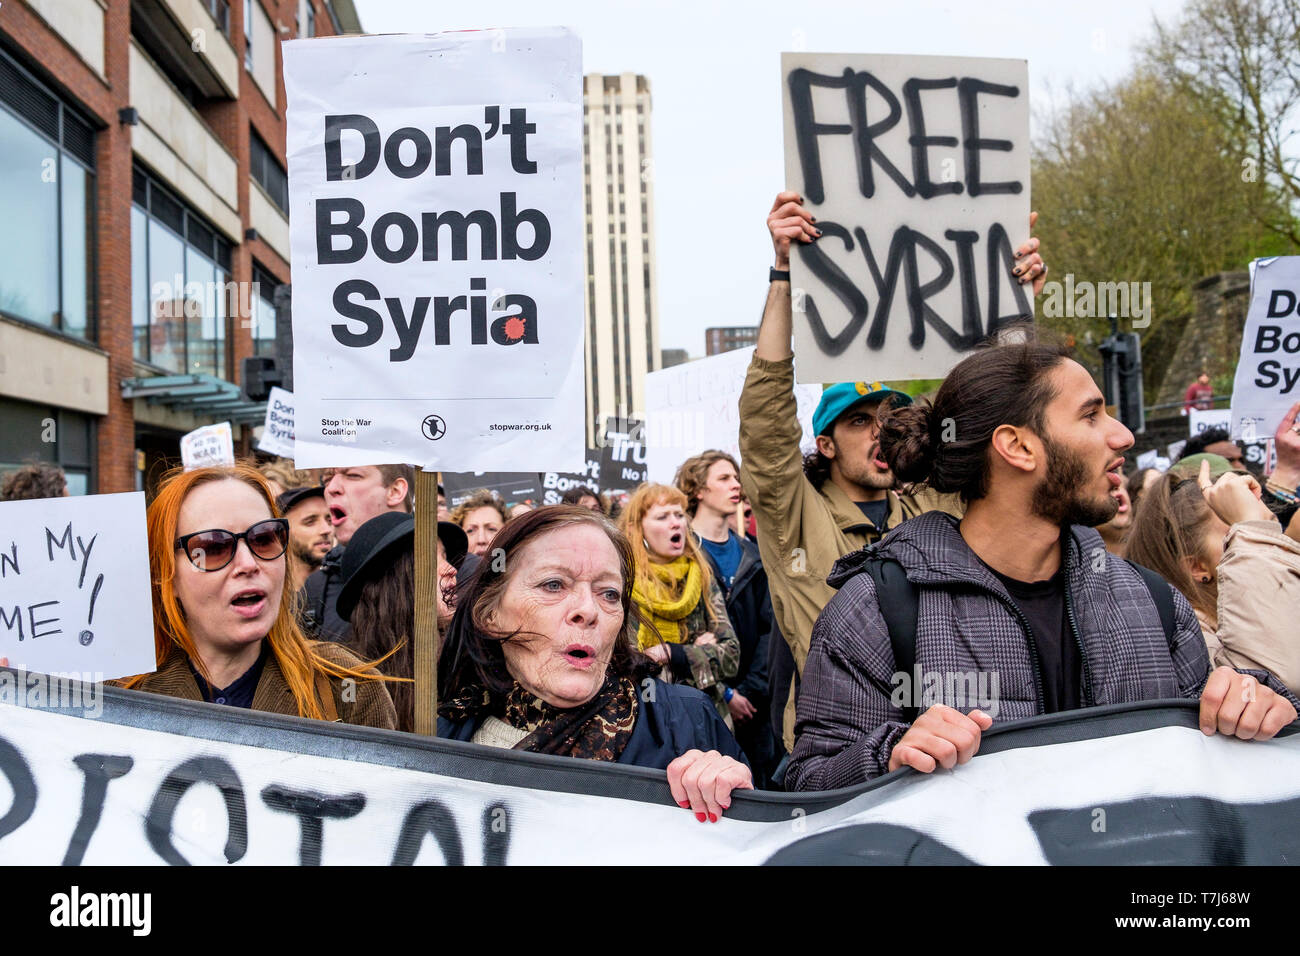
(778,275)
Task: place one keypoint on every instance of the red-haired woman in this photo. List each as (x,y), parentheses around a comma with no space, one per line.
(224,630)
(685,613)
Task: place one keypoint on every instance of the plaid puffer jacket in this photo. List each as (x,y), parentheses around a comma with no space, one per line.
(848,720)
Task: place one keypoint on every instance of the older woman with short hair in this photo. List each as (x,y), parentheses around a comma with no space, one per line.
(541,657)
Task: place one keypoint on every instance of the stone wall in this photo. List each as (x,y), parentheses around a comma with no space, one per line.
(1211,338)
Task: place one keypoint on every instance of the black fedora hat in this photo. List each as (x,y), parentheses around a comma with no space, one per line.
(378,543)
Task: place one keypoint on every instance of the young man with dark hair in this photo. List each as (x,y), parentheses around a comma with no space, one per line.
(353,495)
(712,488)
(842,498)
(310,535)
(1019,594)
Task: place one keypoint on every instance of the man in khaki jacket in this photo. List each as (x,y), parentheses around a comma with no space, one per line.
(809,514)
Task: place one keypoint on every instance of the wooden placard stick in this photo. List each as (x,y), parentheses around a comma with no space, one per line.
(425,631)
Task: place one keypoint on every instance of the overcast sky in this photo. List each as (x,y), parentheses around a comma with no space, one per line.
(714,77)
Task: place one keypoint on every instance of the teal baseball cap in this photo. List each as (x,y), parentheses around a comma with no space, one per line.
(839,398)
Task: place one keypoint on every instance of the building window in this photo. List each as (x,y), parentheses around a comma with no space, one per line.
(263,301)
(248,35)
(307,20)
(267,172)
(180,284)
(24,425)
(219,10)
(47,184)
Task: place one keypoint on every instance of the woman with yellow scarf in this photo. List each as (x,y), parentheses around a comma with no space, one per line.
(684,612)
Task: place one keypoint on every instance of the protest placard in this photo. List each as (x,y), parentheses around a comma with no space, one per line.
(209,445)
(693,407)
(277,432)
(917,169)
(1199,419)
(510,487)
(622,454)
(74,586)
(1268,370)
(436,239)
(556,483)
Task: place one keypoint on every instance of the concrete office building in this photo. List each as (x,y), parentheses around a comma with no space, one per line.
(144,196)
(622,300)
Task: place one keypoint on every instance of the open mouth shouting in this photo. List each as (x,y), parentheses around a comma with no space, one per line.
(1115,475)
(249,603)
(581,656)
(337,515)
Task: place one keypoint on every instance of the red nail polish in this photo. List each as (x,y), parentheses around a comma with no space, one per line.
(685,804)
(700,817)
(712,818)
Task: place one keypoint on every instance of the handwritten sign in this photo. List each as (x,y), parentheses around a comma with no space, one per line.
(277,432)
(209,445)
(1267,383)
(917,169)
(74,586)
(436,238)
(695,406)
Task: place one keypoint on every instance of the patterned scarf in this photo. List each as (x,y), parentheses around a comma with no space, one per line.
(678,586)
(597,730)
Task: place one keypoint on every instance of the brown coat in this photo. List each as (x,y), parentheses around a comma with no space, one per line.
(369,706)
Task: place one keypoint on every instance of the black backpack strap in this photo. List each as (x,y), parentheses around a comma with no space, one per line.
(1163,594)
(899,606)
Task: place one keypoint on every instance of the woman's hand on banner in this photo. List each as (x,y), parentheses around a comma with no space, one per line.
(702,782)
(788,221)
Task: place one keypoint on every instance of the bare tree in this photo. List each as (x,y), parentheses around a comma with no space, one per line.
(1249,52)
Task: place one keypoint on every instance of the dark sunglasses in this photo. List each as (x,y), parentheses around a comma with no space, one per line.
(212,550)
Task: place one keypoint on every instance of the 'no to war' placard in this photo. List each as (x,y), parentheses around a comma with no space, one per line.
(209,445)
(74,586)
(917,169)
(435,192)
(1267,383)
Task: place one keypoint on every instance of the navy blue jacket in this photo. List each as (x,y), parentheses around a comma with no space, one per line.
(674,719)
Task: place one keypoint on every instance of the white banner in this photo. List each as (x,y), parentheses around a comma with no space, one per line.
(252,789)
(917,169)
(436,210)
(74,586)
(209,445)
(1268,371)
(277,433)
(695,406)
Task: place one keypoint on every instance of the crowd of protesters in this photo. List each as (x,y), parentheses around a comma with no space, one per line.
(748,625)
